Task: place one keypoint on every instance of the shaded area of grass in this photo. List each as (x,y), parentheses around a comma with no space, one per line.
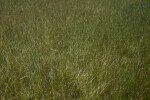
(73,49)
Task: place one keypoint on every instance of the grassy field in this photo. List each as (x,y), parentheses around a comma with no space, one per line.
(74,49)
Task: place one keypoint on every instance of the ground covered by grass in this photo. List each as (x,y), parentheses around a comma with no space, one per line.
(74,49)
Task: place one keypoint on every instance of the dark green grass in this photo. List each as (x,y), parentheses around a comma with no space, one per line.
(75,49)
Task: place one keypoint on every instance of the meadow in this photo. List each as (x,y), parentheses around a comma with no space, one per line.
(74,49)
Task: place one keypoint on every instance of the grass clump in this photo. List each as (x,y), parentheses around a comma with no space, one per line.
(75,49)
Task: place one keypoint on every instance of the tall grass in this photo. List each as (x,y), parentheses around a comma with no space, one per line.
(74,49)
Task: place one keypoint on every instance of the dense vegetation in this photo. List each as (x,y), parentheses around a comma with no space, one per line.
(75,49)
